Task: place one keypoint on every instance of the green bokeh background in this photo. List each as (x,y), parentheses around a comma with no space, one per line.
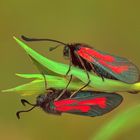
(112,26)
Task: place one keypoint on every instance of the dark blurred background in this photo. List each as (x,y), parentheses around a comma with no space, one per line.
(111,26)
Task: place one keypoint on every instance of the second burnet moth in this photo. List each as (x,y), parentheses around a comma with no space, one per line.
(103,64)
(85,103)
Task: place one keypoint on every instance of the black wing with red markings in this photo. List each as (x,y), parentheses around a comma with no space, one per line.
(118,67)
(88,103)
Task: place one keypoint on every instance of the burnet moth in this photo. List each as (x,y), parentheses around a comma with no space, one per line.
(103,64)
(86,103)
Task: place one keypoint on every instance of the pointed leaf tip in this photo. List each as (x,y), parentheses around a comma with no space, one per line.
(6,90)
(14,38)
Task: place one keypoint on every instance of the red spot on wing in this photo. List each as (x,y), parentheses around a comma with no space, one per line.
(70,108)
(97,55)
(101,102)
(64,102)
(84,105)
(85,56)
(115,69)
(90,54)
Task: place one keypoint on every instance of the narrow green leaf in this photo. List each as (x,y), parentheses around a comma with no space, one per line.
(38,86)
(96,82)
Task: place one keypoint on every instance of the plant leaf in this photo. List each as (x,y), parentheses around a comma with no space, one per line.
(37,86)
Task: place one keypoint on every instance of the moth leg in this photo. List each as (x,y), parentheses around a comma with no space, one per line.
(102,78)
(70,64)
(79,89)
(62,93)
(45,82)
(93,68)
(64,90)
(81,61)
(52,90)
(95,71)
(100,75)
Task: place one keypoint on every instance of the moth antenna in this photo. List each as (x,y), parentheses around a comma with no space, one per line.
(19,112)
(53,48)
(24,102)
(41,39)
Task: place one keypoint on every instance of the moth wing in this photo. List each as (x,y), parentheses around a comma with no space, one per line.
(119,67)
(88,103)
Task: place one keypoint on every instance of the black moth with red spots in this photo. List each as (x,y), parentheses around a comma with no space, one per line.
(85,103)
(103,64)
